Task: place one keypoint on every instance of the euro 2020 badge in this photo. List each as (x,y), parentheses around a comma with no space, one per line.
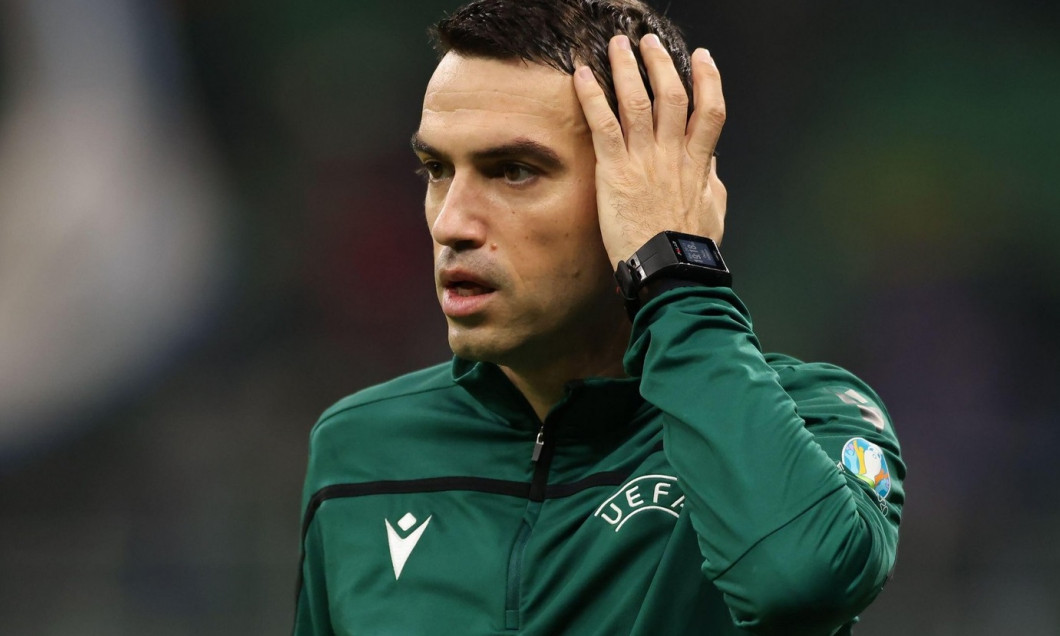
(866,461)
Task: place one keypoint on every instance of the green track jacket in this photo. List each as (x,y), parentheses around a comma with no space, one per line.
(717,490)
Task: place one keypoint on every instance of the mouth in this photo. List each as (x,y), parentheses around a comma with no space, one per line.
(464,294)
(463,283)
(465,288)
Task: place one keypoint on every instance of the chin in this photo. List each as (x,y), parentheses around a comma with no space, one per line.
(473,346)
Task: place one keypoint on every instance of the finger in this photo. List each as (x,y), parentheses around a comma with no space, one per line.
(708,117)
(634,105)
(671,100)
(608,142)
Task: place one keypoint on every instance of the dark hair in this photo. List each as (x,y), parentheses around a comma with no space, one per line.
(561,34)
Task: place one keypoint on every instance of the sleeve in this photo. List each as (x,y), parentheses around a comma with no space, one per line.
(792,472)
(312,616)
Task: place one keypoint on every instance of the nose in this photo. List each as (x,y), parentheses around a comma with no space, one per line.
(455,215)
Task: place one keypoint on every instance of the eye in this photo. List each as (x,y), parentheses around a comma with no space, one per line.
(517,173)
(431,171)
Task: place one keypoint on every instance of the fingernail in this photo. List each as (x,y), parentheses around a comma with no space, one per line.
(704,56)
(623,43)
(651,40)
(585,73)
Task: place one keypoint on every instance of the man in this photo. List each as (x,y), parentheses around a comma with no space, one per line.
(570,472)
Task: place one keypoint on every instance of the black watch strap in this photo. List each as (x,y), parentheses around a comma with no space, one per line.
(667,261)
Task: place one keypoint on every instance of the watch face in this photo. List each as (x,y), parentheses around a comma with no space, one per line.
(697,252)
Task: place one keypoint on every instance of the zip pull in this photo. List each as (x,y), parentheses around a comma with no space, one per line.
(539,443)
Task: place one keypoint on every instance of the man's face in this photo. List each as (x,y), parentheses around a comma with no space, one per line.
(520,268)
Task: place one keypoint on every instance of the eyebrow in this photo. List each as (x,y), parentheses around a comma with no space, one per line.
(519,148)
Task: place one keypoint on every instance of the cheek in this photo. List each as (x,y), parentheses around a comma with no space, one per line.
(575,241)
(573,211)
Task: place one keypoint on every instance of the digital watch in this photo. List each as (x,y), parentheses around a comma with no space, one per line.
(669,260)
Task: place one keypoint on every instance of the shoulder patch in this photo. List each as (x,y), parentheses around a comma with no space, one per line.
(867,462)
(869,411)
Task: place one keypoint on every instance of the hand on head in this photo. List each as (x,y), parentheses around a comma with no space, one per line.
(655,166)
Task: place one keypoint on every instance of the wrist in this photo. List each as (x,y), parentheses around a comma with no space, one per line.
(667,261)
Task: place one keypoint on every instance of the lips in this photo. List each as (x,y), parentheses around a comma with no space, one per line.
(464,282)
(464,293)
(468,288)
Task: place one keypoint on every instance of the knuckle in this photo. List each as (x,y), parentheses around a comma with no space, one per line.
(640,125)
(610,129)
(675,96)
(721,193)
(638,103)
(715,114)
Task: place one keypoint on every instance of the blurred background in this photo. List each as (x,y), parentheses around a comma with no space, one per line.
(210,230)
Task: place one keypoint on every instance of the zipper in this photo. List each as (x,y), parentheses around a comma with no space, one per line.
(541,457)
(539,443)
(513,596)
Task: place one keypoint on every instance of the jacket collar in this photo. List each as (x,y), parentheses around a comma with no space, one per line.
(589,406)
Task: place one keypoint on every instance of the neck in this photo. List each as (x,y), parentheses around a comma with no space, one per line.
(543,385)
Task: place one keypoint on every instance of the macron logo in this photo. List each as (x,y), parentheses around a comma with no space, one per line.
(401,546)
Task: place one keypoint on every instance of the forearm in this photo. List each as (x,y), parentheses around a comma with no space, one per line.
(784,533)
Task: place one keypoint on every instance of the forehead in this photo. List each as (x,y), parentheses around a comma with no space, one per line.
(472,98)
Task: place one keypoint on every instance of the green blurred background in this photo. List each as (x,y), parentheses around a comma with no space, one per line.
(210,230)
